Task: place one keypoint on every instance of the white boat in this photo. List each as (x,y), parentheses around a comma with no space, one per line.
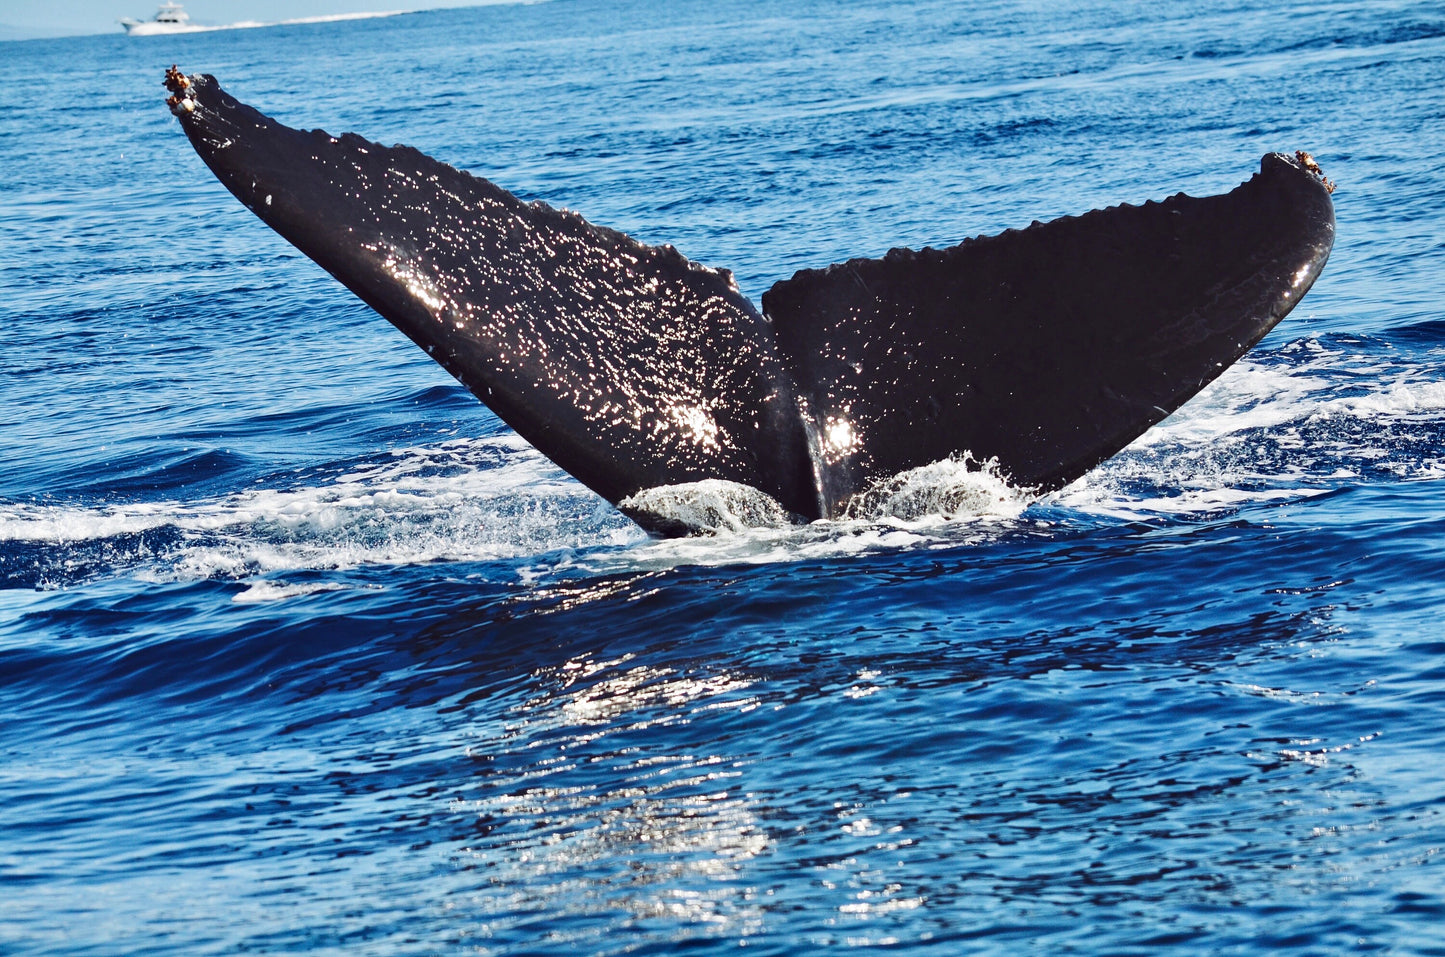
(170,18)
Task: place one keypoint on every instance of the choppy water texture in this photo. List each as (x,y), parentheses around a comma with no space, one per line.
(301,650)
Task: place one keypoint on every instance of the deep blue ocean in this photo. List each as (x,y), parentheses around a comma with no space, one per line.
(303,651)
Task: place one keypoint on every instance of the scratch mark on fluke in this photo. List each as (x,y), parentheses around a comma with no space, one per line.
(1045,349)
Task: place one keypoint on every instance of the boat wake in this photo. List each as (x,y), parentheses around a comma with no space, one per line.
(170,20)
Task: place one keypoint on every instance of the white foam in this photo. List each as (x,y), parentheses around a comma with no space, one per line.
(462,501)
(944,504)
(339,17)
(707,507)
(264,591)
(1266,432)
(953,488)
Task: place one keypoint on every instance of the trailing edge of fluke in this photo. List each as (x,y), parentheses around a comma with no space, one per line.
(1047,349)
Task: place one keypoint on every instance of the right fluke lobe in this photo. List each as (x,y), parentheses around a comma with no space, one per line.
(1048,348)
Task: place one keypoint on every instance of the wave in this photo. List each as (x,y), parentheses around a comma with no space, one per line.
(463,500)
(1307,419)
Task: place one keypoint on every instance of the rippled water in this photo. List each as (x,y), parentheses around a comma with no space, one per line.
(302,650)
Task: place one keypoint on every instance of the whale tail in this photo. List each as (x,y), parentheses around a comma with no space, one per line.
(1046,349)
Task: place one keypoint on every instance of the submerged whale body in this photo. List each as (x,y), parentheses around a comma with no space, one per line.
(1047,349)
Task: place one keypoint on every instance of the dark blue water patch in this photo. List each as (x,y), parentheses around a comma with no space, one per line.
(122,649)
(57,563)
(441,399)
(1426,333)
(1215,52)
(387,422)
(162,471)
(141,657)
(324,418)
(1021,129)
(1409,30)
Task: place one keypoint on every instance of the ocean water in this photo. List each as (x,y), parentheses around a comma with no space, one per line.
(302,651)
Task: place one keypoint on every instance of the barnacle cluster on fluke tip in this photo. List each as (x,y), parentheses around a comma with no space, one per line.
(1308,162)
(178,83)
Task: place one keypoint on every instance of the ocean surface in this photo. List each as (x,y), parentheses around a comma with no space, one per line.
(303,651)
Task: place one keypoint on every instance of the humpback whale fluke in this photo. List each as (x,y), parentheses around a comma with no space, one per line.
(1048,348)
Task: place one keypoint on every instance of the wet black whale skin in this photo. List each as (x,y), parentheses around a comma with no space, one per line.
(632,367)
(1052,347)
